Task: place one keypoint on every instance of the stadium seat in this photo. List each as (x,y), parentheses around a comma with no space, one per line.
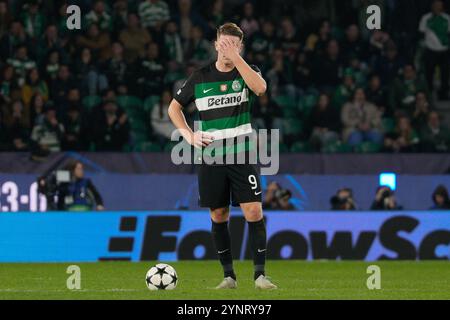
(337,147)
(388,125)
(293,126)
(368,147)
(301,147)
(90,102)
(150,102)
(147,147)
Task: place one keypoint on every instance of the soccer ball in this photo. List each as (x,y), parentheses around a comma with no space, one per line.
(161,277)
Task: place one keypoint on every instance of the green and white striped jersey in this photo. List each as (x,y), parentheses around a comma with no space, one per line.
(224,104)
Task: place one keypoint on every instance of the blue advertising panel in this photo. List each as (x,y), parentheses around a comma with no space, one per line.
(185,235)
(18,192)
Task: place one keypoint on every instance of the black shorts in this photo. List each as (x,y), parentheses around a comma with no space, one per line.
(217,184)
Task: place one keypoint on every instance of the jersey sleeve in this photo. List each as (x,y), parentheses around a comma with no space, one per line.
(185,95)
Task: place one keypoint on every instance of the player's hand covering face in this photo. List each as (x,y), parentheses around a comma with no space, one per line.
(229,47)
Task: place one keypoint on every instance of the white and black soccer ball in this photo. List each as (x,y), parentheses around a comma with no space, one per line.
(161,277)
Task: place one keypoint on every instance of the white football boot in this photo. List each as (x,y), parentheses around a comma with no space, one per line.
(227,283)
(262,282)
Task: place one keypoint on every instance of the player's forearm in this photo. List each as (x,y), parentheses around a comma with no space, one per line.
(179,121)
(252,79)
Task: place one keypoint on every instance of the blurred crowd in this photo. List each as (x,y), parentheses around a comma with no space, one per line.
(278,198)
(334,86)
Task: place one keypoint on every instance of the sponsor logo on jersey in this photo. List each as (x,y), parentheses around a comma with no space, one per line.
(224,100)
(223,87)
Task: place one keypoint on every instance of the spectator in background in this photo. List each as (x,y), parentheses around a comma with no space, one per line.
(404,89)
(160,121)
(377,95)
(266,113)
(317,42)
(344,92)
(249,24)
(96,41)
(279,75)
(389,64)
(17,126)
(215,14)
(289,39)
(302,72)
(421,110)
(34,85)
(343,200)
(435,136)
(403,139)
(198,50)
(51,66)
(74,136)
(49,43)
(11,40)
(324,123)
(120,15)
(436,29)
(21,63)
(150,72)
(134,39)
(7,84)
(92,80)
(5,18)
(116,68)
(48,135)
(111,130)
(153,13)
(385,200)
(263,42)
(173,46)
(327,69)
(441,199)
(361,120)
(99,16)
(33,20)
(353,45)
(37,105)
(60,88)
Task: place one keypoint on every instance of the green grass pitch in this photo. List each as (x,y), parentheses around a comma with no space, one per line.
(296,280)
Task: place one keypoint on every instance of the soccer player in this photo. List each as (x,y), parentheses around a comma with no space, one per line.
(223,92)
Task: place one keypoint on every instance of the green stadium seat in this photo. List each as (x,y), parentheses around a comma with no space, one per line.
(129,102)
(285,102)
(368,147)
(147,147)
(388,125)
(337,147)
(150,102)
(90,102)
(301,147)
(293,126)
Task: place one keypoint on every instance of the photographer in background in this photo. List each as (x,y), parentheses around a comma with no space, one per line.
(343,200)
(69,190)
(385,200)
(277,198)
(441,199)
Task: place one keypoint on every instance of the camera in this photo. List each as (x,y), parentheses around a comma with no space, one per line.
(50,186)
